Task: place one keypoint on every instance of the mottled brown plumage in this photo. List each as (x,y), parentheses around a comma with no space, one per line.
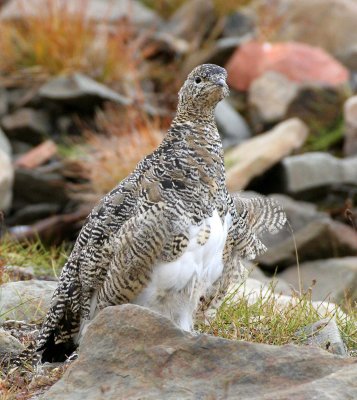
(138,243)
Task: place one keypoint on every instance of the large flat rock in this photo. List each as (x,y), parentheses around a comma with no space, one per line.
(129,352)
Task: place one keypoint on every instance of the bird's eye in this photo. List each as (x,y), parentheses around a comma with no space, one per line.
(198,80)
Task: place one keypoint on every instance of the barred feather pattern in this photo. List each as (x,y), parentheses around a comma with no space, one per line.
(146,220)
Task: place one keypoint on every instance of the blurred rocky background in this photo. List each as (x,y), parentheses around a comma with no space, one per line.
(88,87)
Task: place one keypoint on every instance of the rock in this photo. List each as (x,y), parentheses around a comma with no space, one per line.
(217,52)
(95,10)
(350,118)
(46,187)
(334,278)
(307,174)
(4,106)
(14,273)
(79,91)
(319,106)
(27,125)
(231,125)
(324,334)
(238,24)
(329,24)
(37,156)
(25,300)
(269,97)
(252,291)
(6,180)
(255,156)
(296,61)
(273,97)
(9,344)
(317,240)
(186,24)
(142,355)
(349,57)
(298,213)
(5,145)
(33,212)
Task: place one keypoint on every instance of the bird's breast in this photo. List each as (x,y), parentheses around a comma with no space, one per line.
(199,266)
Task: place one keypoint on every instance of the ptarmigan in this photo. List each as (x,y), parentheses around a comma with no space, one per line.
(169,236)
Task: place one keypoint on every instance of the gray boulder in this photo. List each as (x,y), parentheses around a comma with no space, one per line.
(79,91)
(311,172)
(25,300)
(130,352)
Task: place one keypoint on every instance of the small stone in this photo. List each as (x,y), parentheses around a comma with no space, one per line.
(25,300)
(27,125)
(350,117)
(324,334)
(15,273)
(231,125)
(255,156)
(9,344)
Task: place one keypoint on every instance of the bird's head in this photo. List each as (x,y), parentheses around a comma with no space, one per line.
(204,87)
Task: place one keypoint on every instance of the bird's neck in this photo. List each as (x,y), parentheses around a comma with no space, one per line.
(187,113)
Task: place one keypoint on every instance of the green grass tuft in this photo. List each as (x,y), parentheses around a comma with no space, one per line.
(267,321)
(46,261)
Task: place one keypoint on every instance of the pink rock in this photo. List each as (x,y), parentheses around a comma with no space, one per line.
(298,62)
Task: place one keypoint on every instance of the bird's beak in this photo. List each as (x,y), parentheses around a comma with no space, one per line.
(221,82)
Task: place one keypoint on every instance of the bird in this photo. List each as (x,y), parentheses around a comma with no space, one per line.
(168,237)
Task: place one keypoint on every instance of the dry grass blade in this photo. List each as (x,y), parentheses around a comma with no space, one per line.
(44,42)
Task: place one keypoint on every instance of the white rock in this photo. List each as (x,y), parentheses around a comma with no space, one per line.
(6,180)
(255,156)
(350,117)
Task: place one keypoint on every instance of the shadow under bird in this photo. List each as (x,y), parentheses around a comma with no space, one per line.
(169,237)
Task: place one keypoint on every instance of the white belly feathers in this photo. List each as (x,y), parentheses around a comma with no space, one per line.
(176,286)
